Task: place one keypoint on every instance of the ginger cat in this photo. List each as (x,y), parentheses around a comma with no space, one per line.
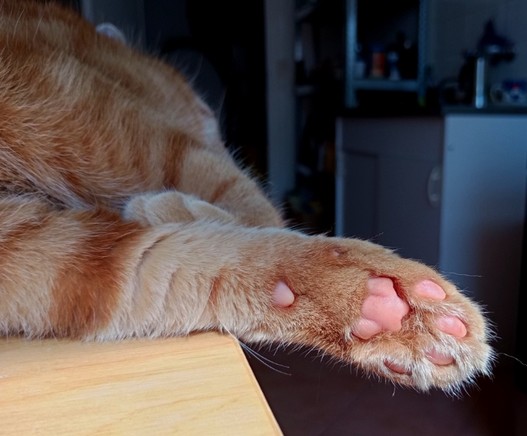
(123,215)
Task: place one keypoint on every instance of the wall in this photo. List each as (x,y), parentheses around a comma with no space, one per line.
(456,25)
(512,18)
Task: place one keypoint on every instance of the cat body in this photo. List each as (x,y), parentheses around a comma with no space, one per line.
(123,215)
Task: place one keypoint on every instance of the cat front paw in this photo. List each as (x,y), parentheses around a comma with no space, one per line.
(172,207)
(390,316)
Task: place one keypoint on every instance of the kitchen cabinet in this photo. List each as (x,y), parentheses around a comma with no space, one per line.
(449,191)
(387,183)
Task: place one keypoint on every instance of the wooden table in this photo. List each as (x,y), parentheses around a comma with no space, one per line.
(197,385)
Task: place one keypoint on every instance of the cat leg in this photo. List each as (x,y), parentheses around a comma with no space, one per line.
(354,300)
(89,274)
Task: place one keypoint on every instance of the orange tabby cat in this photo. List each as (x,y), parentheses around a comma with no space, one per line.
(123,215)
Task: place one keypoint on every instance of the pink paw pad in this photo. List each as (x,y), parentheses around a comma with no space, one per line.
(383,310)
(282,295)
(452,325)
(438,358)
(429,289)
(395,367)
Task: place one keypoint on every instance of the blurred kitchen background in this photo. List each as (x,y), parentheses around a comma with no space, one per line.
(403,122)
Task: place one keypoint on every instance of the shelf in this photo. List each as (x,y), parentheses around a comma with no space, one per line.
(385,85)
(304,90)
(363,16)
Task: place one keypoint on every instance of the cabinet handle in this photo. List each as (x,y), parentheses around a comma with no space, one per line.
(433,186)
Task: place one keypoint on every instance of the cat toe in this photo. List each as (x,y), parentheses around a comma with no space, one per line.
(439,358)
(429,289)
(452,325)
(397,368)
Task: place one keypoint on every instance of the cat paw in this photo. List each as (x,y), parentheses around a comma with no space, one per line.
(390,316)
(172,207)
(420,333)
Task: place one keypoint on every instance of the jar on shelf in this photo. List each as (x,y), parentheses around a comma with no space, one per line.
(378,61)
